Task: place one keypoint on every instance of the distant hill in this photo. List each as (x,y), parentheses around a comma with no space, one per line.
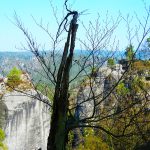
(23,55)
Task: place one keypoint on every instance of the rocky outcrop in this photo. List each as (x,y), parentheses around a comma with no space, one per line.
(93,91)
(85,98)
(28,121)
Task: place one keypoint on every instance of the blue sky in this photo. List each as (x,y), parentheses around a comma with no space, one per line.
(11,37)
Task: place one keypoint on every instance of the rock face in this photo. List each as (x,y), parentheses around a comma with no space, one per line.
(28,122)
(98,87)
(85,102)
(3,113)
(92,92)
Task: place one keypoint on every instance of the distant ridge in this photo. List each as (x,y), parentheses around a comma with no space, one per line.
(103,53)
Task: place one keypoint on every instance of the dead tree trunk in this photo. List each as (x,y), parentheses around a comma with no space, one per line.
(58,131)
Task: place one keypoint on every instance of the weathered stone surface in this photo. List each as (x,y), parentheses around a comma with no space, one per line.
(3,113)
(98,87)
(28,122)
(94,91)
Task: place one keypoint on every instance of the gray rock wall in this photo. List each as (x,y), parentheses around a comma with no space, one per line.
(28,122)
(3,113)
(99,87)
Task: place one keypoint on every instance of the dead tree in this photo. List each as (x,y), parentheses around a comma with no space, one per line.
(59,132)
(63,119)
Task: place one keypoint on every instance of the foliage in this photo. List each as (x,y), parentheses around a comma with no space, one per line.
(110,62)
(2,135)
(14,77)
(141,65)
(121,89)
(94,72)
(135,123)
(131,125)
(129,52)
(70,139)
(136,84)
(148,41)
(2,138)
(92,141)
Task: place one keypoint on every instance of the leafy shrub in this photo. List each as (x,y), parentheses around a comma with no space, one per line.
(92,141)
(2,135)
(121,89)
(129,52)
(110,62)
(14,77)
(2,138)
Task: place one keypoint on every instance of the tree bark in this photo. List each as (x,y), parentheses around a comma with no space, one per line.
(58,131)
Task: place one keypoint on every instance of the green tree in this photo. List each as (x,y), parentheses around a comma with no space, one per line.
(148,41)
(14,77)
(121,89)
(111,62)
(130,52)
